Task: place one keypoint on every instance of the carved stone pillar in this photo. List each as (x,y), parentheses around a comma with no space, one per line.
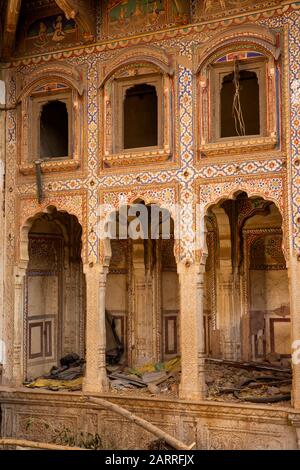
(142,282)
(95,379)
(2,225)
(226,307)
(294,280)
(18,360)
(191,281)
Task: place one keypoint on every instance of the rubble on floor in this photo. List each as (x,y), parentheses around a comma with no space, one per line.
(162,377)
(226,381)
(66,377)
(56,384)
(248,382)
(251,382)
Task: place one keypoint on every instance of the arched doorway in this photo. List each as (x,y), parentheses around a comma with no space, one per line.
(142,294)
(246,267)
(54,304)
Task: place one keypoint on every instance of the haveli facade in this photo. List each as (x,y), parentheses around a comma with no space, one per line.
(74,75)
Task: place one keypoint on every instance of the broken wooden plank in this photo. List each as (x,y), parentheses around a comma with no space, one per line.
(137,382)
(248,365)
(172,441)
(270,399)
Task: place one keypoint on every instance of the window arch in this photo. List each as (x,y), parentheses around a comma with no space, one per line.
(136,99)
(237,75)
(50,117)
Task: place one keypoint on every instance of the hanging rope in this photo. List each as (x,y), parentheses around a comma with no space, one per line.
(236,106)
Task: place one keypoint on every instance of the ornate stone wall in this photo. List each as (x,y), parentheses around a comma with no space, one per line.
(35,416)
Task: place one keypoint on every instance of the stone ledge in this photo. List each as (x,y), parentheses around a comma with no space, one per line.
(135,158)
(214,425)
(236,146)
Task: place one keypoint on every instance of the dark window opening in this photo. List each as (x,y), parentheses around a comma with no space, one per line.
(140,117)
(249,103)
(54,138)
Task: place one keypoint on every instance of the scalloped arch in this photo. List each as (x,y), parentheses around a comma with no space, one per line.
(63,73)
(165,198)
(263,191)
(258,36)
(232,194)
(134,55)
(30,210)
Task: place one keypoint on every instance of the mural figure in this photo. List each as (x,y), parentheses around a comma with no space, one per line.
(42,38)
(182,11)
(134,15)
(59,34)
(209,5)
(217,7)
(138,10)
(50,31)
(126,16)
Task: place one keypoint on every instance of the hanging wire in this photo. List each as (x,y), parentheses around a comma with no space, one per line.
(236,106)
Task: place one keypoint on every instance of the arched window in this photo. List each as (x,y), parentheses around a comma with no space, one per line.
(140,117)
(54,132)
(136,101)
(240,104)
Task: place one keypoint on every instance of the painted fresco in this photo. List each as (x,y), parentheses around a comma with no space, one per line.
(129,16)
(49,33)
(216,8)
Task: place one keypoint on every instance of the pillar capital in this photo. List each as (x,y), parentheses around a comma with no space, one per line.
(20,272)
(95,268)
(187,268)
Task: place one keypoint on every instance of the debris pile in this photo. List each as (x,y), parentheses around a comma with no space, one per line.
(248,382)
(162,377)
(226,380)
(68,376)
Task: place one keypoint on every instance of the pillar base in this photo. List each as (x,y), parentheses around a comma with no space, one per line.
(188,393)
(101,385)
